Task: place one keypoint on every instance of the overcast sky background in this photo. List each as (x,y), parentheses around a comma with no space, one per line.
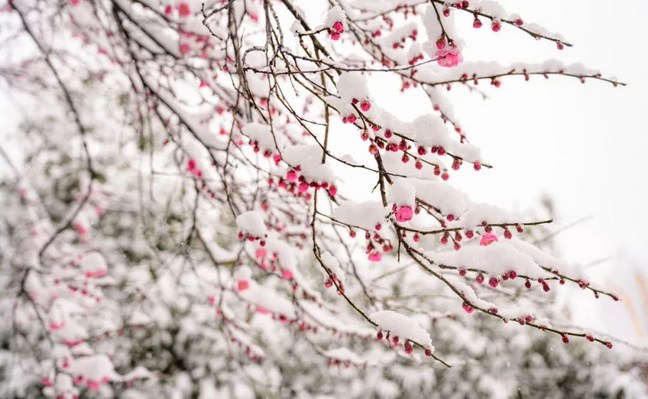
(584,145)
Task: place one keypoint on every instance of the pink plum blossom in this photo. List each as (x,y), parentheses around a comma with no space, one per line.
(488,239)
(449,57)
(404,213)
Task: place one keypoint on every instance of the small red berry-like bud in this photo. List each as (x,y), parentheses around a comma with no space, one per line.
(373,149)
(479,278)
(395,341)
(450,217)
(608,344)
(441,43)
(496,25)
(465,4)
(527,284)
(444,238)
(445,176)
(335,36)
(338,26)
(422,151)
(405,158)
(418,165)
(477,165)
(546,287)
(457,246)
(428,352)
(512,274)
(493,282)
(518,22)
(332,190)
(408,347)
(519,228)
(441,151)
(365,106)
(589,337)
(477,23)
(565,338)
(379,335)
(466,306)
(507,234)
(560,45)
(446,12)
(462,271)
(469,234)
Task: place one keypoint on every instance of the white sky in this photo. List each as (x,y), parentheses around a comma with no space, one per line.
(584,145)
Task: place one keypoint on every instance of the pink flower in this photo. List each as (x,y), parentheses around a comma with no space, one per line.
(487,239)
(96,273)
(184,9)
(185,48)
(80,229)
(404,213)
(449,57)
(375,256)
(286,274)
(291,175)
(242,285)
(261,253)
(56,326)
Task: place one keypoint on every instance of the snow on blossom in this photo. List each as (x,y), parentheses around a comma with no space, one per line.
(401,326)
(267,299)
(362,214)
(495,259)
(263,135)
(334,265)
(335,22)
(309,159)
(344,355)
(94,370)
(251,222)
(93,264)
(402,192)
(442,196)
